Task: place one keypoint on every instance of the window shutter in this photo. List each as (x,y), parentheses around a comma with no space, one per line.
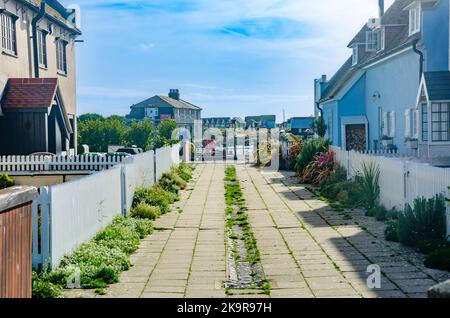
(385,124)
(408,123)
(416,124)
(392,125)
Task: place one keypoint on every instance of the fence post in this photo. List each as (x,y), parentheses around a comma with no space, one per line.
(154,167)
(123,189)
(41,207)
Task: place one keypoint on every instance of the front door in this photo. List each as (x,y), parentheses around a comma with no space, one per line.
(355,137)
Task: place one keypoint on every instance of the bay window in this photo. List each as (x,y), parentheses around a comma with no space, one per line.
(440,121)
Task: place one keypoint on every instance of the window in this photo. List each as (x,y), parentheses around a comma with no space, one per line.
(355,55)
(8,33)
(440,121)
(408,123)
(424,111)
(42,48)
(414,19)
(330,125)
(372,40)
(61,56)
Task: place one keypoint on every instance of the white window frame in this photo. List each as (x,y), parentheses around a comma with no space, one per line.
(415,19)
(8,33)
(61,56)
(42,48)
(372,40)
(382,38)
(440,117)
(355,56)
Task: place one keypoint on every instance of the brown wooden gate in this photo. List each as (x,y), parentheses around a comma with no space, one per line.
(16,242)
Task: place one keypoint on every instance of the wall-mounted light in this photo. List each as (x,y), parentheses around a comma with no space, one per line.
(376,95)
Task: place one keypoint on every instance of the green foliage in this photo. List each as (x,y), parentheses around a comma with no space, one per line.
(391,232)
(425,221)
(6,181)
(163,135)
(429,246)
(99,134)
(139,133)
(43,288)
(172,182)
(145,211)
(184,170)
(310,149)
(369,181)
(439,259)
(154,196)
(98,262)
(319,126)
(89,117)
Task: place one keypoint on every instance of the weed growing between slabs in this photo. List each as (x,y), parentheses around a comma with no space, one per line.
(245,270)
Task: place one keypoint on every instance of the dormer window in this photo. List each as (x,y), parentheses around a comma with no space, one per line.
(382,38)
(355,55)
(415,14)
(372,40)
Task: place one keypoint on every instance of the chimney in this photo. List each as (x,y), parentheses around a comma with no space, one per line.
(174,94)
(381,8)
(324,79)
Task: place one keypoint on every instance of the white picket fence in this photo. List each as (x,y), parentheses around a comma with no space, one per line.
(401,180)
(69,214)
(86,162)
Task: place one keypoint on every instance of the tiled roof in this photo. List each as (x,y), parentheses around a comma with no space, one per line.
(396,22)
(29,93)
(338,80)
(438,85)
(165,101)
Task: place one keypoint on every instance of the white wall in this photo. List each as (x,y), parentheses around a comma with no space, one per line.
(401,181)
(72,213)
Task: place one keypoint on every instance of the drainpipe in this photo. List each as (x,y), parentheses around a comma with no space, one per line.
(320,109)
(34,23)
(420,53)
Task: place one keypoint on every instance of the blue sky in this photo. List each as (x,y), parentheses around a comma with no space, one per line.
(231,57)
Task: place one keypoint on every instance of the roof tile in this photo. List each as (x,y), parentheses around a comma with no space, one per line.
(29,93)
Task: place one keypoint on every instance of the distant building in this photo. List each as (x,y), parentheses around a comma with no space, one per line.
(298,125)
(38,105)
(263,121)
(216,122)
(160,108)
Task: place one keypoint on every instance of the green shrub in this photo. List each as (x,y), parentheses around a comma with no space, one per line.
(6,181)
(391,232)
(309,150)
(155,196)
(425,221)
(381,213)
(429,246)
(393,214)
(145,211)
(125,239)
(141,226)
(439,259)
(172,182)
(43,288)
(369,181)
(184,170)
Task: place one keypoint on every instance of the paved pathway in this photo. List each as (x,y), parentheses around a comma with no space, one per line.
(310,250)
(185,257)
(307,249)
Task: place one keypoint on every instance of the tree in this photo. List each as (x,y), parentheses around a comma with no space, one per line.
(139,133)
(166,128)
(89,117)
(99,134)
(319,126)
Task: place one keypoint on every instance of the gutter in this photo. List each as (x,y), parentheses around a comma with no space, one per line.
(34,23)
(420,53)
